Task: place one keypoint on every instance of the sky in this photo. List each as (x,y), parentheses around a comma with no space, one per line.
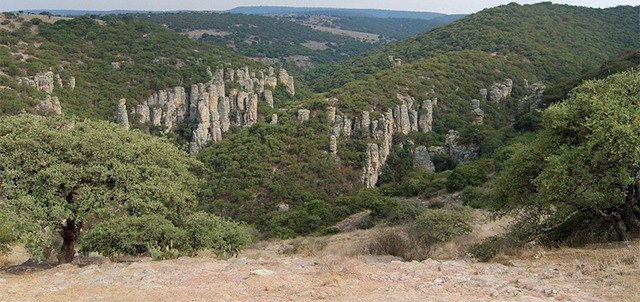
(447,7)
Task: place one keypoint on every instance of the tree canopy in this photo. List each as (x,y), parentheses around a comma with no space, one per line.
(580,178)
(62,174)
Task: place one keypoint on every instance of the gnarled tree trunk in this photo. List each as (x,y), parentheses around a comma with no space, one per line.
(70,230)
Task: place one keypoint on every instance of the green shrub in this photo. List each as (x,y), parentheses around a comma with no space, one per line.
(467,174)
(487,249)
(405,212)
(7,235)
(442,224)
(134,236)
(222,236)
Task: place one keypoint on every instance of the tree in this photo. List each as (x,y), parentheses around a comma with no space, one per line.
(64,174)
(582,172)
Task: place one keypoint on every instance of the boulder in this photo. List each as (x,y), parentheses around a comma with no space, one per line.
(303,115)
(50,105)
(422,159)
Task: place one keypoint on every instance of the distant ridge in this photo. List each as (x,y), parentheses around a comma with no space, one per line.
(338,12)
(64,12)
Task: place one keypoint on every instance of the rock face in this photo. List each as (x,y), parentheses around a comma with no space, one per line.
(478,113)
(287,81)
(303,115)
(422,159)
(210,106)
(458,151)
(500,91)
(333,145)
(44,81)
(267,96)
(371,169)
(50,105)
(535,95)
(72,83)
(122,117)
(425,120)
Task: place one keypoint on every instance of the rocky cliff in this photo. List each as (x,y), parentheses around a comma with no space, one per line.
(211,106)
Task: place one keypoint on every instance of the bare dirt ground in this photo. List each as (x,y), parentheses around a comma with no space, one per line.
(336,269)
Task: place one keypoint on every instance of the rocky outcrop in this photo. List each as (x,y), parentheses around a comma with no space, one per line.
(425,119)
(72,83)
(422,159)
(500,90)
(372,166)
(287,81)
(274,119)
(333,145)
(534,97)
(477,112)
(122,117)
(271,80)
(303,115)
(50,105)
(267,96)
(457,150)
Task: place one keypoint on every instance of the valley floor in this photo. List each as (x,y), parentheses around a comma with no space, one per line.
(327,269)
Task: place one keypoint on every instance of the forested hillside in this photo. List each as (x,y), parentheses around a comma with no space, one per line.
(557,40)
(276,40)
(108,59)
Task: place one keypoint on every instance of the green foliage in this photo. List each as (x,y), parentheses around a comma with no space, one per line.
(254,169)
(405,212)
(581,172)
(135,236)
(59,171)
(443,224)
(261,36)
(220,235)
(151,56)
(414,241)
(589,36)
(7,235)
(627,60)
(469,174)
(487,249)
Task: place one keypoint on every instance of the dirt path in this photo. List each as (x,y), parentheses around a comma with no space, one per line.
(264,274)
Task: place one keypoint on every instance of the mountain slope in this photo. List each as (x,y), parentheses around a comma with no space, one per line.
(109,59)
(558,40)
(338,12)
(273,39)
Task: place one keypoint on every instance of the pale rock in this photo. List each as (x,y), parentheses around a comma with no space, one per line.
(271,80)
(337,125)
(143,111)
(274,119)
(436,150)
(59,81)
(331,115)
(534,97)
(422,159)
(251,117)
(456,150)
(156,116)
(44,81)
(115,65)
(229,74)
(287,81)
(122,118)
(501,90)
(475,104)
(72,83)
(224,109)
(50,105)
(479,116)
(372,167)
(199,139)
(303,115)
(366,122)
(267,96)
(413,120)
(483,93)
(425,120)
(333,145)
(347,126)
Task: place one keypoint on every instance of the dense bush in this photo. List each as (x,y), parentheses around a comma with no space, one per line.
(465,175)
(413,241)
(442,224)
(134,236)
(221,235)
